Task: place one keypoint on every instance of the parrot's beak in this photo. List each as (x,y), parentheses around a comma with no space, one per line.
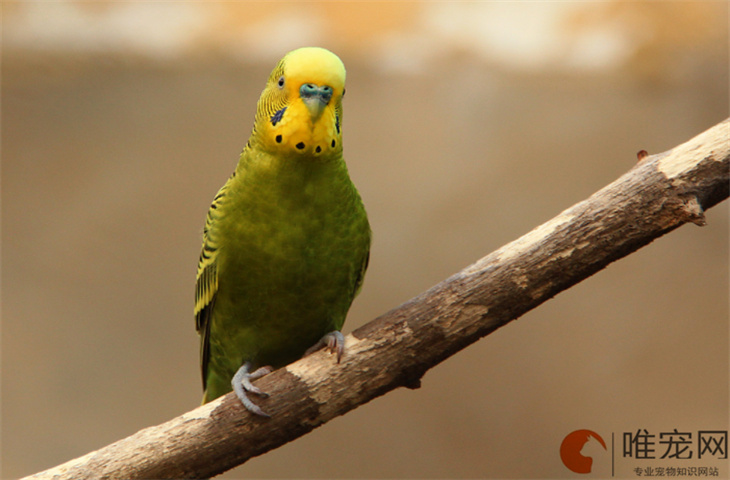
(315,98)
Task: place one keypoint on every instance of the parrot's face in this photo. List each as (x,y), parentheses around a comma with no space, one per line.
(300,110)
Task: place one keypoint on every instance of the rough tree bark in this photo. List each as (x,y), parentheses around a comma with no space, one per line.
(661,193)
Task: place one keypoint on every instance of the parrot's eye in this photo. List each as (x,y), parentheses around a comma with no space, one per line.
(281,82)
(344,90)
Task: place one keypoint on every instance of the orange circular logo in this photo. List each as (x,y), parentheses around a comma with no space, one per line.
(570,450)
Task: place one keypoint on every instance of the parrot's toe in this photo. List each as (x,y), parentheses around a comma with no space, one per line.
(333,341)
(241,384)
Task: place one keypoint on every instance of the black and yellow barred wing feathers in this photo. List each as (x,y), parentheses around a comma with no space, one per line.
(206,284)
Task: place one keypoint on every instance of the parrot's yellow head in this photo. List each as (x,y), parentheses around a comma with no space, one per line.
(300,110)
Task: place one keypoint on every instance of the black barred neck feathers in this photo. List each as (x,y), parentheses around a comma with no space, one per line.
(299,112)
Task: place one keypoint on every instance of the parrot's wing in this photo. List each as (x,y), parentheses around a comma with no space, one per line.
(206,284)
(205,290)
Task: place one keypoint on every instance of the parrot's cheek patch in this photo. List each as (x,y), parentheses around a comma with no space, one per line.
(276,118)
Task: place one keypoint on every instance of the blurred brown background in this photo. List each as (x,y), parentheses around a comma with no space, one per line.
(467,124)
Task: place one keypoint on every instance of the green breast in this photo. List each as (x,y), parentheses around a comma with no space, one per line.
(294,237)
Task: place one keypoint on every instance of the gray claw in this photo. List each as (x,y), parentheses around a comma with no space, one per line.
(241,384)
(333,341)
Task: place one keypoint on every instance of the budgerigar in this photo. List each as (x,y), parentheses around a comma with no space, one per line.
(286,240)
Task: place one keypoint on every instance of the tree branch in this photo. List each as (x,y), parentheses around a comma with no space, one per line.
(661,193)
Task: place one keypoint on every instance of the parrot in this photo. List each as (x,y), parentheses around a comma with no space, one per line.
(286,240)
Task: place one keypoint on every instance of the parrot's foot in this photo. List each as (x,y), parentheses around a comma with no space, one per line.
(333,341)
(241,383)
